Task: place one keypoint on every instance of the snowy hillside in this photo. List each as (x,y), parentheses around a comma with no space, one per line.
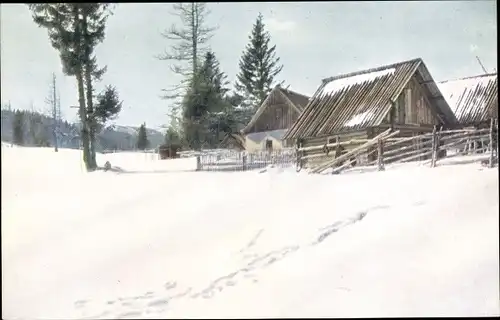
(112,137)
(411,241)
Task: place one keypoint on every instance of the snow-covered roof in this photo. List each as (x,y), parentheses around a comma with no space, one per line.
(472,99)
(363,99)
(339,84)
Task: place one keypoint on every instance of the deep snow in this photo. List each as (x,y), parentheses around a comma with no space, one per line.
(410,241)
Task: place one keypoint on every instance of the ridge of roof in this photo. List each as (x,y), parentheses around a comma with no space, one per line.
(365,71)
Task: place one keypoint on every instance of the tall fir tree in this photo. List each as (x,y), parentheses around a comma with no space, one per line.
(142,138)
(18,128)
(63,24)
(215,80)
(94,17)
(204,102)
(259,67)
(190,44)
(74,30)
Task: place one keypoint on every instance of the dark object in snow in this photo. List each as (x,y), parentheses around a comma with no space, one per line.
(486,162)
(107,166)
(168,151)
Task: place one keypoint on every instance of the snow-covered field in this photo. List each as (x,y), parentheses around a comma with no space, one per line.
(410,241)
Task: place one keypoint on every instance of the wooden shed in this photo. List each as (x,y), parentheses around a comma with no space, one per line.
(168,151)
(360,105)
(473,100)
(276,114)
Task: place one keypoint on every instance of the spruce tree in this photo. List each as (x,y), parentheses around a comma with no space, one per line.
(205,100)
(93,21)
(18,128)
(142,138)
(107,106)
(74,30)
(259,66)
(64,27)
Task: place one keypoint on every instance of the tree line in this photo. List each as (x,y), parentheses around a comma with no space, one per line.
(202,109)
(32,128)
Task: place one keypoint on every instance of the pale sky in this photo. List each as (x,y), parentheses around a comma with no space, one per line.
(314,40)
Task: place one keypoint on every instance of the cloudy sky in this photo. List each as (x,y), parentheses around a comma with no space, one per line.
(314,41)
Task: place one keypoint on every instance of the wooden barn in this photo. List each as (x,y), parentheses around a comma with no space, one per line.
(473,100)
(277,113)
(360,105)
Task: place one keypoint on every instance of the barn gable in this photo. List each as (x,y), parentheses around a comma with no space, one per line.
(279,111)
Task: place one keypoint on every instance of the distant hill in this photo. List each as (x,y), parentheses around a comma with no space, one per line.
(113,137)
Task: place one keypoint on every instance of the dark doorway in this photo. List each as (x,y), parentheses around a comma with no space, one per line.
(269,145)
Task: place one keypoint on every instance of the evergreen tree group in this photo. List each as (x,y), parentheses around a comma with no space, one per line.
(18,128)
(203,107)
(206,109)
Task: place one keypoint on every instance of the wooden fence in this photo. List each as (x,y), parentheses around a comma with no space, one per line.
(387,148)
(243,161)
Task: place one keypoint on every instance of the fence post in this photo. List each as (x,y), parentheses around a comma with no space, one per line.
(244,159)
(380,159)
(298,155)
(490,164)
(434,153)
(495,139)
(198,163)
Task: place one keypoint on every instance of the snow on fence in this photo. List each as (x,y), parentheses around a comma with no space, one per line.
(242,161)
(386,148)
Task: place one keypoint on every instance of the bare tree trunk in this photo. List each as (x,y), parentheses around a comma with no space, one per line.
(89,96)
(92,127)
(194,36)
(54,112)
(84,136)
(90,118)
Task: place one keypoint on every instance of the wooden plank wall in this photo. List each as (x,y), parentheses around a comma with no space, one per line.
(278,115)
(413,106)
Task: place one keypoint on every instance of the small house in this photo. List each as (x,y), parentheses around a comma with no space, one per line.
(360,105)
(276,114)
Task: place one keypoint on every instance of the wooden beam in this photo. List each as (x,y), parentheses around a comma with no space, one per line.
(380,158)
(490,162)
(330,163)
